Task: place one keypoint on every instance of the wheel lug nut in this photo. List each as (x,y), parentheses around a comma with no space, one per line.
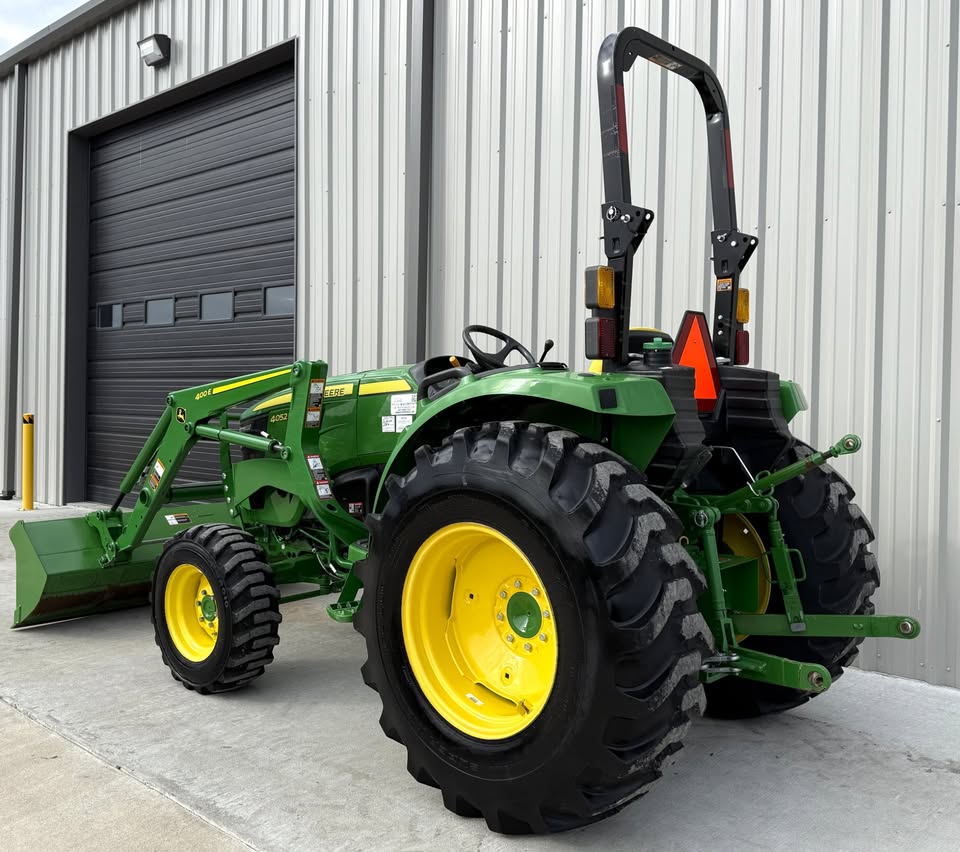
(543,637)
(527,646)
(499,616)
(503,594)
(546,613)
(535,593)
(516,584)
(509,637)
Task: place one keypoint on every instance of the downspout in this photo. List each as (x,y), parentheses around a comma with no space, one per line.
(418,167)
(7,486)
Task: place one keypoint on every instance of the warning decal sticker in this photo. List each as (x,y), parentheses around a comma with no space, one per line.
(320,481)
(403,403)
(177,519)
(314,401)
(666,62)
(156,474)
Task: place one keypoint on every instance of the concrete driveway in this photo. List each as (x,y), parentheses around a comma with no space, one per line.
(117,754)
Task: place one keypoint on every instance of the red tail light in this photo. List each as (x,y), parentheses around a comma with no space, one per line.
(741,347)
(601,338)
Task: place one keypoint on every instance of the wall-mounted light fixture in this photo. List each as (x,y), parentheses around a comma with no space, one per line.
(155,49)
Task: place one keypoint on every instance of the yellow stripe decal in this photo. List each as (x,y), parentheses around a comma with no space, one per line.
(338,390)
(253,381)
(283,399)
(392,386)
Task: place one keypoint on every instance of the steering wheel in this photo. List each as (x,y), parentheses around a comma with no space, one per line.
(494,360)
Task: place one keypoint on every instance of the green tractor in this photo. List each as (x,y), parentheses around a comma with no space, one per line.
(554,571)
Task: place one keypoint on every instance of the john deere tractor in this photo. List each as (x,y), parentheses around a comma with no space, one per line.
(553,571)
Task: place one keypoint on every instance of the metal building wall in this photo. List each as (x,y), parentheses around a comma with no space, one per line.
(352,183)
(352,86)
(844,127)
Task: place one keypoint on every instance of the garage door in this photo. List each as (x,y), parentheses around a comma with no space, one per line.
(191,262)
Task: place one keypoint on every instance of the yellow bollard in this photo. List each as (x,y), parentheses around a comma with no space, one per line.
(26,491)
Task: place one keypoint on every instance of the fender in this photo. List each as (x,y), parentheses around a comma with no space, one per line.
(630,413)
(792,399)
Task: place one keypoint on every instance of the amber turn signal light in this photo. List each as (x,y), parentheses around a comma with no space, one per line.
(600,283)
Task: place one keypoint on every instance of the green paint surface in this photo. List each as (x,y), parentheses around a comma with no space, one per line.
(523,613)
(792,399)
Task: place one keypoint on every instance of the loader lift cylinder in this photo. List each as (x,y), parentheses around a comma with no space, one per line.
(146,452)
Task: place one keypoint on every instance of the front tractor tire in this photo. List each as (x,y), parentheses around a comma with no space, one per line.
(531,627)
(214,608)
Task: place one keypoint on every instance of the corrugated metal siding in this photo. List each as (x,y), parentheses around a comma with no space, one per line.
(844,125)
(352,134)
(353,113)
(7,237)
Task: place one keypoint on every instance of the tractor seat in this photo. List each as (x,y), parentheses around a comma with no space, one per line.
(424,370)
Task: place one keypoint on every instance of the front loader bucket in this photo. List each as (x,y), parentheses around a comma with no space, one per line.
(59,574)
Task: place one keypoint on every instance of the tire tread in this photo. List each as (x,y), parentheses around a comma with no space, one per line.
(253,604)
(629,537)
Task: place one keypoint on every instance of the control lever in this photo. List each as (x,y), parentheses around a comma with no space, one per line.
(546,348)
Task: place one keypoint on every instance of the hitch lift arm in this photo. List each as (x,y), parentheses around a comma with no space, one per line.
(702,513)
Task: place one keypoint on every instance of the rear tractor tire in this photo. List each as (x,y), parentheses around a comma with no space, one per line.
(531,627)
(214,608)
(820,519)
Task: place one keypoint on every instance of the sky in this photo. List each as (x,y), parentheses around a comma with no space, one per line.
(20,19)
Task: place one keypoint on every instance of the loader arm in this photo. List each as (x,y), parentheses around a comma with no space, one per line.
(183,423)
(189,417)
(104,560)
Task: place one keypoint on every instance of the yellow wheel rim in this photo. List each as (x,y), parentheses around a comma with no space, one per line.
(742,539)
(191,612)
(479,631)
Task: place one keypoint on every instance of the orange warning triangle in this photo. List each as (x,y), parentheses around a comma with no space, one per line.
(694,349)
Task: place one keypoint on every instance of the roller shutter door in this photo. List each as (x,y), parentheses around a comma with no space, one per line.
(192,262)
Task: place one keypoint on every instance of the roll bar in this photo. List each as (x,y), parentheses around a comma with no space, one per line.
(625,225)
